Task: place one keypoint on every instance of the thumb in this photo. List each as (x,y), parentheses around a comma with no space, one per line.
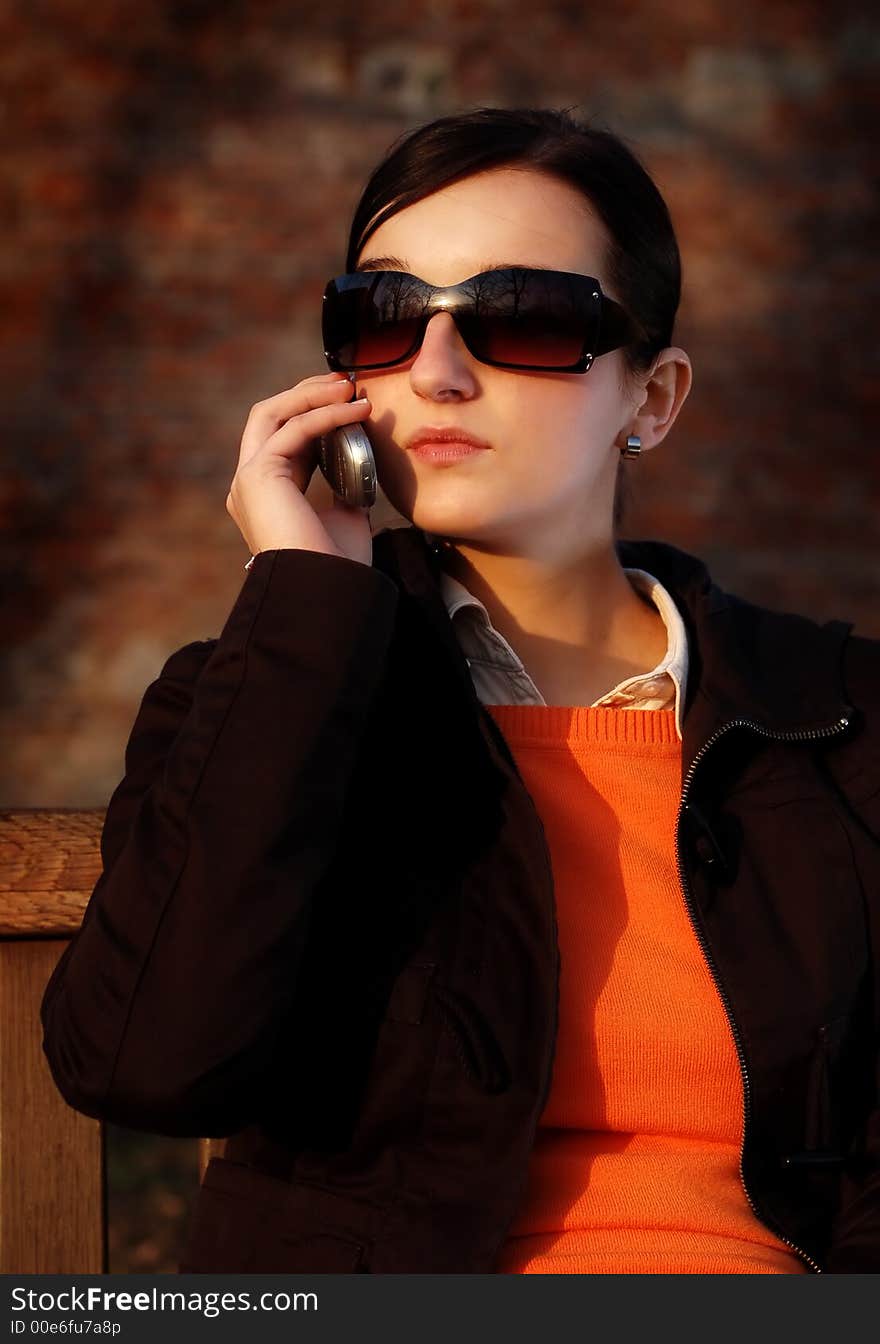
(340,503)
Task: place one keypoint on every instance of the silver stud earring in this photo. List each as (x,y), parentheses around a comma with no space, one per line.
(633,446)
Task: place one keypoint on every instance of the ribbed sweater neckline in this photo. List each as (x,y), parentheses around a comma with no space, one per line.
(596,724)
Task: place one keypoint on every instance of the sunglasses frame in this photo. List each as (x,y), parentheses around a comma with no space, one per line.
(608,322)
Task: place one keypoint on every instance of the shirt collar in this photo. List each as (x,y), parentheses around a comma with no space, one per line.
(674,663)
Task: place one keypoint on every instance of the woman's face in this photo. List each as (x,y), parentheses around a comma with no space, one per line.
(546,485)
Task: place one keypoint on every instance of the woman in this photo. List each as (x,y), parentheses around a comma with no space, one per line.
(506,892)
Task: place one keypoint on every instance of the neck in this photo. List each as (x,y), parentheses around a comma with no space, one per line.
(575,621)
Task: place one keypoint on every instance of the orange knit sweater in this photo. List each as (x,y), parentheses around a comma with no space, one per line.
(635,1168)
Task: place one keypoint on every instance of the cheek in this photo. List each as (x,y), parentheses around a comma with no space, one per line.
(572,419)
(387,398)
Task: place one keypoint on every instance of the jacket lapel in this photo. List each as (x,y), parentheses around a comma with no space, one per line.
(404,554)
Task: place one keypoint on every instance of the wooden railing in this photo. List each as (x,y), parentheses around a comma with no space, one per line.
(53,1193)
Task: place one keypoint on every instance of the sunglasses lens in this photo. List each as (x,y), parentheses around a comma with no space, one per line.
(372,319)
(529,318)
(538,339)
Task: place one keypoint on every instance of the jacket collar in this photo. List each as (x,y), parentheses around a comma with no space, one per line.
(778,670)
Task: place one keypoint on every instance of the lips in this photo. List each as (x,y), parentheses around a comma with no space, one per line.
(424,439)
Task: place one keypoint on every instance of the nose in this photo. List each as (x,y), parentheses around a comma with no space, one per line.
(443,367)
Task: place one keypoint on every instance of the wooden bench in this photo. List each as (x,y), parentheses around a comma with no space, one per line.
(53,1191)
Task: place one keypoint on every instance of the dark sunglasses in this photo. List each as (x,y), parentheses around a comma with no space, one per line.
(515,318)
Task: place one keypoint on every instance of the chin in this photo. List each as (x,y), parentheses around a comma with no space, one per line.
(463,523)
(454,510)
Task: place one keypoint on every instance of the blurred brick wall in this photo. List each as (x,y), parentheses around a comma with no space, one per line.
(177,182)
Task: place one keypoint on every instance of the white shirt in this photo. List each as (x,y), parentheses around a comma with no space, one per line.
(500,678)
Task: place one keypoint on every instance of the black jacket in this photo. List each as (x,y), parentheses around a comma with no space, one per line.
(281,950)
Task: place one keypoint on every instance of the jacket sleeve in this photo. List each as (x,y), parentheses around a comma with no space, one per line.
(162,1011)
(855,1243)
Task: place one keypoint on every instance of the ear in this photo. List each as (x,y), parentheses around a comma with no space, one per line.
(665,388)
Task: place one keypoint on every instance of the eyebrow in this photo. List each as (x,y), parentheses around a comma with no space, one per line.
(397,264)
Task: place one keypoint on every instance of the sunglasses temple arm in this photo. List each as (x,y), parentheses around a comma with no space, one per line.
(616,328)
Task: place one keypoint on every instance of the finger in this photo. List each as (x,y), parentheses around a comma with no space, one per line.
(350,531)
(304,396)
(296,444)
(316,380)
(295,434)
(267,416)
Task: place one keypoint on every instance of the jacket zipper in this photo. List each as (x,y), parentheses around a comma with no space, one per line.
(794,736)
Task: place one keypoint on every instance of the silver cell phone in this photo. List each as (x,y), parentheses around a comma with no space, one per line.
(346,461)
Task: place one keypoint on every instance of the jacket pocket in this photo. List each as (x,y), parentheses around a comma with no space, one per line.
(822,1146)
(247,1221)
(822,1128)
(475,1042)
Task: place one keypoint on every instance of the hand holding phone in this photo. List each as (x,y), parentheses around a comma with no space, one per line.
(277,458)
